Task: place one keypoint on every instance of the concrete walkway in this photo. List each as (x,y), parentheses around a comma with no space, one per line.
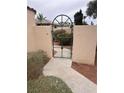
(61,68)
(66,52)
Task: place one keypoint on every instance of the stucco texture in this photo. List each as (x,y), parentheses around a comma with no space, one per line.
(38,37)
(84,44)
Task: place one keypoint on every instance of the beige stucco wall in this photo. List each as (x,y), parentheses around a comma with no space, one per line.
(30,18)
(84,44)
(38,37)
(44,39)
(30,31)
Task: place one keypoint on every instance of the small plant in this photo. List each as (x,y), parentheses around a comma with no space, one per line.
(35,64)
(40,19)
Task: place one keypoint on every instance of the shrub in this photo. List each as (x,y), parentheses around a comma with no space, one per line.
(35,64)
(57,32)
(65,38)
(48,84)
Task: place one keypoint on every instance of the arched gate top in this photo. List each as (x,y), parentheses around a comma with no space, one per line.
(62,23)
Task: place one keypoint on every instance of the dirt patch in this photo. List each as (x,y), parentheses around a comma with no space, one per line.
(88,71)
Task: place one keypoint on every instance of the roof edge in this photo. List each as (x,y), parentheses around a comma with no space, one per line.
(31,9)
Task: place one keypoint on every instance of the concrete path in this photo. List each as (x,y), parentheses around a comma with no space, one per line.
(66,52)
(61,68)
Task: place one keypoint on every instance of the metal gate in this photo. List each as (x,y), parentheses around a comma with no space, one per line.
(62,36)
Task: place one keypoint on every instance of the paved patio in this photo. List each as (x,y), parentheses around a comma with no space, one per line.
(89,71)
(61,67)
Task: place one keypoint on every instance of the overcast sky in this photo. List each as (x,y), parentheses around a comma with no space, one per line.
(52,8)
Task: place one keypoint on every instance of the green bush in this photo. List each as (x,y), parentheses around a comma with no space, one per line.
(57,32)
(65,38)
(48,84)
(35,64)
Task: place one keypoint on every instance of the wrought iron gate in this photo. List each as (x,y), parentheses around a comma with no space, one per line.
(62,35)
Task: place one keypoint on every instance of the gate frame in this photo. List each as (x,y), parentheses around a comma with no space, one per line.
(61,25)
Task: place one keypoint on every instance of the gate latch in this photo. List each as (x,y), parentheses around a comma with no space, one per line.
(61,47)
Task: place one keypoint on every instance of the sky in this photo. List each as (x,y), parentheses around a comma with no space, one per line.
(51,8)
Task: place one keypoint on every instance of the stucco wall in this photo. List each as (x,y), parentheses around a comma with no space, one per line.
(84,44)
(30,18)
(44,39)
(30,31)
(38,37)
